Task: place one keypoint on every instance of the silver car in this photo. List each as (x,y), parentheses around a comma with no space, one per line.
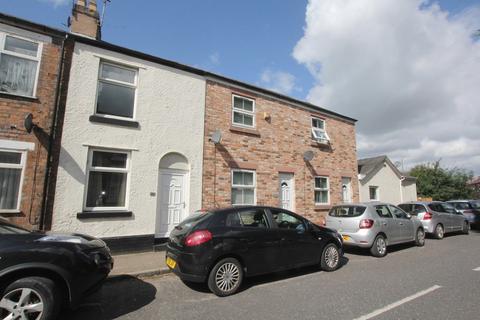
(437,217)
(375,225)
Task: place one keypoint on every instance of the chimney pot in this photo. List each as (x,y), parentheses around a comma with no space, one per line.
(86,21)
(92,5)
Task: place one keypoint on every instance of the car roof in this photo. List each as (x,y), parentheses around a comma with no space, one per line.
(422,202)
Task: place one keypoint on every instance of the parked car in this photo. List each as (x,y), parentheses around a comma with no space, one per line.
(375,225)
(470,209)
(437,217)
(40,273)
(223,246)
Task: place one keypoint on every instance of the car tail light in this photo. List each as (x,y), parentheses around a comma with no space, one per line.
(366,224)
(427,216)
(468,211)
(197,238)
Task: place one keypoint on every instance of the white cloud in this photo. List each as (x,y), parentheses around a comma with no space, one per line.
(56,3)
(214,58)
(408,71)
(279,81)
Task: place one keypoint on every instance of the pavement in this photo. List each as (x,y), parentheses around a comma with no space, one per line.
(438,281)
(143,264)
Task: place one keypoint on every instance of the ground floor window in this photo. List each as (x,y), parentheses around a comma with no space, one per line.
(12,164)
(108,173)
(373,190)
(322,190)
(243,187)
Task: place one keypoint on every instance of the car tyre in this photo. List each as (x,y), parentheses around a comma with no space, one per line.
(379,247)
(420,237)
(330,260)
(33,296)
(225,277)
(439,232)
(466,228)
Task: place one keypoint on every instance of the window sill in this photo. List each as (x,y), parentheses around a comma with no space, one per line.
(18,97)
(118,122)
(321,145)
(104,214)
(11,213)
(251,132)
(321,207)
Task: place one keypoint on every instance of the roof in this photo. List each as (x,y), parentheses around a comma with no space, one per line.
(474,181)
(33,26)
(367,167)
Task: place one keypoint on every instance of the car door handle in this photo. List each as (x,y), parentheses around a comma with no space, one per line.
(384,223)
(400,223)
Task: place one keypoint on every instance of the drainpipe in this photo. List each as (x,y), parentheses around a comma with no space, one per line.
(401,188)
(46,186)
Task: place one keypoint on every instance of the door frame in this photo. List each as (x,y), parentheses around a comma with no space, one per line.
(292,189)
(186,197)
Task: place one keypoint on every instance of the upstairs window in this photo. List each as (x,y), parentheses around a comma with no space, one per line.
(322,190)
(12,164)
(19,65)
(243,112)
(318,131)
(117,87)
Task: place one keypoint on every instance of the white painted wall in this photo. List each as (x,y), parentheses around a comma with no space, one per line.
(409,190)
(170,110)
(389,188)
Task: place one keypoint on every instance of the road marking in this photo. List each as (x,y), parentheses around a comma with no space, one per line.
(476,269)
(398,303)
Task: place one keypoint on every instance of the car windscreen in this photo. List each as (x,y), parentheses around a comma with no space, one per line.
(192,220)
(475,204)
(6,228)
(347,211)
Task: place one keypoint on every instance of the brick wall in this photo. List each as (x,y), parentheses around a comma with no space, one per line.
(276,145)
(13,110)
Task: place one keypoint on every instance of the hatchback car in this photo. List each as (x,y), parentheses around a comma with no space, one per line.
(223,246)
(438,218)
(375,225)
(470,209)
(40,273)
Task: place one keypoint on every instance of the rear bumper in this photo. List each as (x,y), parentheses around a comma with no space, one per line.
(428,226)
(363,238)
(192,267)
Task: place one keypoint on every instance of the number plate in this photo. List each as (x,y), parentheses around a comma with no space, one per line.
(171,263)
(346,238)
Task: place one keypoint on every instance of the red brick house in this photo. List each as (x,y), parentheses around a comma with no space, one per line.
(275,150)
(30,64)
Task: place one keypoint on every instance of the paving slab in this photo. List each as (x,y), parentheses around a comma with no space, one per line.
(140,264)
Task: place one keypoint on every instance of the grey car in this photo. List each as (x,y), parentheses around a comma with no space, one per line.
(437,217)
(375,225)
(470,209)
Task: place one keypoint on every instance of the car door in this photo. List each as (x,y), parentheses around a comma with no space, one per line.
(455,217)
(258,241)
(403,223)
(298,246)
(440,217)
(387,223)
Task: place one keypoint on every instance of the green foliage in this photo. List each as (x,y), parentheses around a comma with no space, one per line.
(441,183)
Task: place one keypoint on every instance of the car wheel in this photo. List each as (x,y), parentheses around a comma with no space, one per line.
(32,298)
(466,227)
(379,247)
(330,258)
(420,237)
(439,232)
(226,277)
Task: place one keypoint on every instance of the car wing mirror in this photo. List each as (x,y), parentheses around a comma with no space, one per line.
(409,216)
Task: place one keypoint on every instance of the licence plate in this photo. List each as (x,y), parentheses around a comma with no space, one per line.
(171,263)
(346,238)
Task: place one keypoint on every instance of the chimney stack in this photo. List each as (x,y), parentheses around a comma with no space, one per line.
(85,19)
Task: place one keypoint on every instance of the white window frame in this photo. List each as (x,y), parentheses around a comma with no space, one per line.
(249,113)
(119,83)
(239,186)
(315,135)
(22,165)
(38,58)
(377,193)
(322,189)
(90,168)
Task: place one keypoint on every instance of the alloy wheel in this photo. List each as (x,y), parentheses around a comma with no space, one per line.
(331,257)
(227,276)
(421,236)
(381,246)
(21,304)
(439,231)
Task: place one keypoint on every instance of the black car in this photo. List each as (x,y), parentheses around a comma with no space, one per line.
(40,273)
(220,247)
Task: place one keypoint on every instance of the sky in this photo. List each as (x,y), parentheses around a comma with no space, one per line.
(408,70)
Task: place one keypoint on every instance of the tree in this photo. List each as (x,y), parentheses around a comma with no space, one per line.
(441,183)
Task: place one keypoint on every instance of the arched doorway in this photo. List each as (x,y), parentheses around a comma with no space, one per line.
(172,193)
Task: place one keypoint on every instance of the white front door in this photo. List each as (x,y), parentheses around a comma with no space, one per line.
(287,194)
(171,209)
(346,190)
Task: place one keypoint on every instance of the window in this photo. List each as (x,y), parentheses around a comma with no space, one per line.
(116,90)
(243,112)
(285,220)
(107,180)
(383,211)
(253,218)
(418,208)
(322,194)
(407,207)
(19,65)
(318,131)
(400,214)
(373,191)
(12,164)
(347,211)
(243,187)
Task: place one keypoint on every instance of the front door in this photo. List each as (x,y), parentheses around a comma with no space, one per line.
(287,198)
(346,190)
(171,209)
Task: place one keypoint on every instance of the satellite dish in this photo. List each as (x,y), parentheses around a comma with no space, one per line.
(216,137)
(308,155)
(28,123)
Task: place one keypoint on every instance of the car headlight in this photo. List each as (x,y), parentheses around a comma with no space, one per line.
(63,238)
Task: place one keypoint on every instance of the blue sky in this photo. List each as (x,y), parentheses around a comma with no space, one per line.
(398,66)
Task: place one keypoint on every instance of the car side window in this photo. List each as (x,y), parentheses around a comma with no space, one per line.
(399,213)
(255,218)
(285,220)
(435,207)
(383,212)
(448,208)
(419,209)
(233,220)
